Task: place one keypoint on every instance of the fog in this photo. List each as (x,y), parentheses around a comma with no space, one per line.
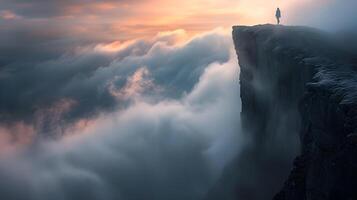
(159,121)
(331,15)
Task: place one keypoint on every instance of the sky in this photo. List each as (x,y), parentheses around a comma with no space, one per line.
(124,19)
(121,99)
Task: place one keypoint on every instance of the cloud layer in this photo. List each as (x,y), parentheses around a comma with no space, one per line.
(88,75)
(147,119)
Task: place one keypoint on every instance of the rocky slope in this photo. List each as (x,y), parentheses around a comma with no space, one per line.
(299,97)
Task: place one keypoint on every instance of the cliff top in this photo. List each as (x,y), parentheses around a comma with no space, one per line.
(334,61)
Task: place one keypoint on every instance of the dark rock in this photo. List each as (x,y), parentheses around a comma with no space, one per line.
(299,96)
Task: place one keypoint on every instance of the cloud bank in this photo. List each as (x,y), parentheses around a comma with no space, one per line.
(146,119)
(329,15)
(30,87)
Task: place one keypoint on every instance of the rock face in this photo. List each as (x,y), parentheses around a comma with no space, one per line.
(299,99)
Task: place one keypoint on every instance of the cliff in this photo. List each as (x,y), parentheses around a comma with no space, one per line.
(299,97)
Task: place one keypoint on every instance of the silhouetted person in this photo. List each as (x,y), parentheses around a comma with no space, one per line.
(278,15)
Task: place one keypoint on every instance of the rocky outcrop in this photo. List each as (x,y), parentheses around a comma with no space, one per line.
(299,96)
(297,68)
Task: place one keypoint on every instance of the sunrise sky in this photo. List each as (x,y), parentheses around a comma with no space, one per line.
(126,19)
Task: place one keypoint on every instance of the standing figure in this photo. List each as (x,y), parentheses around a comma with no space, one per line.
(278,15)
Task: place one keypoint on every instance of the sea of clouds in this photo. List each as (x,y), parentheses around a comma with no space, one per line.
(154,118)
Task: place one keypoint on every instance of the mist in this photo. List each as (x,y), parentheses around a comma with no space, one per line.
(160,121)
(331,15)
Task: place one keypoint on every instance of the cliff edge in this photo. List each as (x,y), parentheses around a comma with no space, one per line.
(299,109)
(300,74)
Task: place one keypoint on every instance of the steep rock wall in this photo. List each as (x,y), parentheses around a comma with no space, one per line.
(299,95)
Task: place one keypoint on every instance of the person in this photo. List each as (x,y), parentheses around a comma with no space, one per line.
(278,15)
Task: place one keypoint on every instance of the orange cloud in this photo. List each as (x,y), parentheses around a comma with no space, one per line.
(15,137)
(8,14)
